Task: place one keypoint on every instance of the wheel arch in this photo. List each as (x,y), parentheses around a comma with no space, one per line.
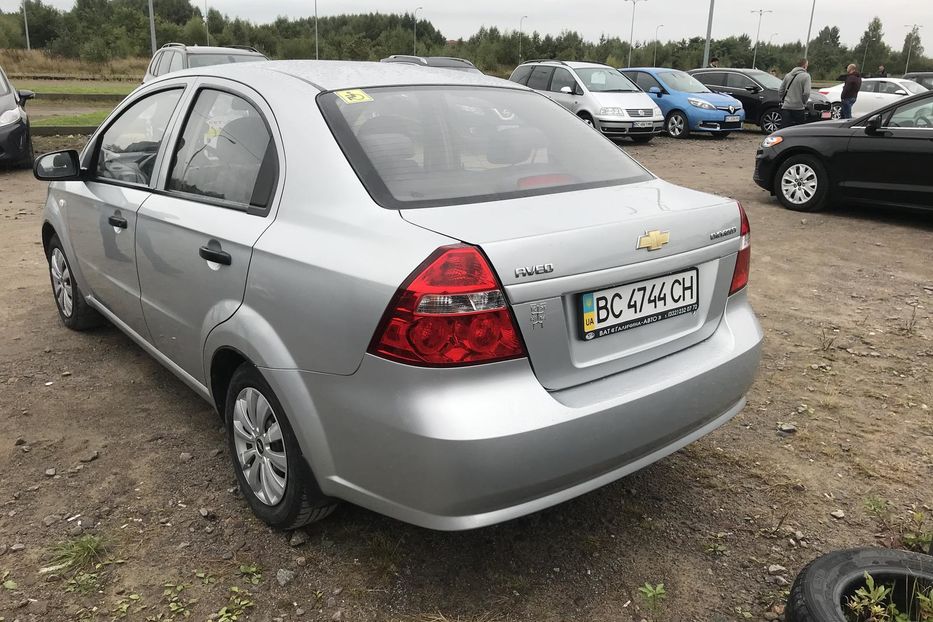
(224,362)
(795,151)
(48,231)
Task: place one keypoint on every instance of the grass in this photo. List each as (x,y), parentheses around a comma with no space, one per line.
(40,62)
(79,553)
(87,119)
(82,87)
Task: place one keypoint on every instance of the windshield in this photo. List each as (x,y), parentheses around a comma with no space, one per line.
(605,80)
(4,85)
(203,60)
(913,87)
(765,79)
(447,145)
(680,81)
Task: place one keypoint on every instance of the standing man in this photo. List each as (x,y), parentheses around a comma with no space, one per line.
(850,90)
(882,72)
(714,62)
(795,93)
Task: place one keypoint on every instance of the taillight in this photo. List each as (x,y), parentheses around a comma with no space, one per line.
(824,92)
(451,311)
(743,260)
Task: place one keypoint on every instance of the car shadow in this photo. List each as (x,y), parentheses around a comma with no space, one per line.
(918,218)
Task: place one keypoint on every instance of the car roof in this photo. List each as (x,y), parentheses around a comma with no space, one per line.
(738,69)
(205,49)
(430,61)
(328,75)
(573,64)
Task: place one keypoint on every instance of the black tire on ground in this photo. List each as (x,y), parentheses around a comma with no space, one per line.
(643,139)
(720,135)
(302,502)
(27,161)
(770,120)
(587,119)
(81,315)
(821,587)
(811,170)
(676,125)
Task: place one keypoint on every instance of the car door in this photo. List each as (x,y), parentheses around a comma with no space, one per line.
(747,91)
(101,211)
(196,235)
(540,77)
(892,165)
(867,100)
(560,79)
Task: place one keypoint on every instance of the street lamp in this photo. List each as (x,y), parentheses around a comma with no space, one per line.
(771,38)
(806,46)
(415,31)
(865,55)
(913,28)
(152,38)
(761,13)
(317,55)
(631,37)
(26,26)
(709,33)
(207,26)
(520,37)
(660,26)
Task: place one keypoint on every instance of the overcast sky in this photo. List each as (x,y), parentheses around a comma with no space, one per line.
(681,18)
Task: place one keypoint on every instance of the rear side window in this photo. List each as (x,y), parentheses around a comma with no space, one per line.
(177,62)
(521,74)
(128,148)
(443,145)
(711,78)
(226,152)
(540,76)
(869,87)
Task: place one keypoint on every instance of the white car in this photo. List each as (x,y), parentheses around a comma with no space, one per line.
(875,93)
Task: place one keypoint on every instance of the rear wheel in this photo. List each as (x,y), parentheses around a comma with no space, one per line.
(643,139)
(271,470)
(801,184)
(770,121)
(677,125)
(73,309)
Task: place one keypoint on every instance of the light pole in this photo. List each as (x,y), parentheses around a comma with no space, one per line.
(207,25)
(771,38)
(865,55)
(910,46)
(806,46)
(317,56)
(415,31)
(520,37)
(709,33)
(26,26)
(152,38)
(660,26)
(761,13)
(631,37)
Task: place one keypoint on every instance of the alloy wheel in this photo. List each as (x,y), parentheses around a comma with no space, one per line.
(837,111)
(799,183)
(771,122)
(62,285)
(675,126)
(260,447)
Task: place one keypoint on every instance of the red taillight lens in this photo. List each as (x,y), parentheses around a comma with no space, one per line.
(824,92)
(744,258)
(450,311)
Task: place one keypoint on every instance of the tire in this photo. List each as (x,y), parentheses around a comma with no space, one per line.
(587,119)
(289,497)
(836,111)
(801,184)
(27,161)
(73,309)
(770,120)
(822,586)
(642,140)
(720,135)
(677,125)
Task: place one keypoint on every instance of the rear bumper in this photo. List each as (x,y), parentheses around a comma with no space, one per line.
(14,142)
(466,448)
(616,127)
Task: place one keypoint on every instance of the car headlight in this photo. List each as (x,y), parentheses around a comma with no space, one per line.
(612,112)
(699,103)
(10,116)
(772,141)
(657,112)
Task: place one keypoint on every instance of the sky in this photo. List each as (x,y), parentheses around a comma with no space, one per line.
(591,18)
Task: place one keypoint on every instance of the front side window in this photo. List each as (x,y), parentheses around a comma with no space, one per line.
(918,114)
(738,81)
(646,82)
(4,85)
(765,79)
(605,80)
(889,88)
(712,78)
(177,62)
(128,148)
(562,78)
(225,152)
(444,145)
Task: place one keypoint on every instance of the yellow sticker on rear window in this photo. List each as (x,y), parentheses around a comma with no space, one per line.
(354,96)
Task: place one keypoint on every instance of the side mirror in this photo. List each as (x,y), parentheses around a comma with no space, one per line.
(901,92)
(873,125)
(753,89)
(24,96)
(566,90)
(58,166)
(656,91)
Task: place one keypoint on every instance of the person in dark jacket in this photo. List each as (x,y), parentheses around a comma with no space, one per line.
(850,90)
(882,72)
(714,62)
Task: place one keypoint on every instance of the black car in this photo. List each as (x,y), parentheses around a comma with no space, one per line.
(15,140)
(924,78)
(758,92)
(444,62)
(884,158)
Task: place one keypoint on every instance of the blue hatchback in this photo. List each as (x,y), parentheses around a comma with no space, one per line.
(687,104)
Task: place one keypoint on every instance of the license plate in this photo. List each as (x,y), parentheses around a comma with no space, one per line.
(826,114)
(733,118)
(644,123)
(614,310)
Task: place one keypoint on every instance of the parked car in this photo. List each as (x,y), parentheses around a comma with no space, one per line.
(435,295)
(687,104)
(15,138)
(178,56)
(758,92)
(923,78)
(444,62)
(875,93)
(598,94)
(881,159)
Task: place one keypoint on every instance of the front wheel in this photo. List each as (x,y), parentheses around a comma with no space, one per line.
(801,184)
(836,111)
(271,470)
(27,161)
(643,139)
(587,119)
(770,121)
(677,125)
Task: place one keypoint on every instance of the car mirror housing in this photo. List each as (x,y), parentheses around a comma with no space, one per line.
(58,166)
(566,90)
(900,92)
(656,91)
(873,124)
(752,89)
(25,95)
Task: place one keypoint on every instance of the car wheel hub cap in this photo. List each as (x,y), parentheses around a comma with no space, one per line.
(676,126)
(799,184)
(260,447)
(62,285)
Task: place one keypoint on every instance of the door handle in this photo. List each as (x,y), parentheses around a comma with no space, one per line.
(215,255)
(117,221)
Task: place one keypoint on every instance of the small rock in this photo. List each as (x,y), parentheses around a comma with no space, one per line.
(2,549)
(770,615)
(803,221)
(301,561)
(91,456)
(50,520)
(227,555)
(155,437)
(338,615)
(787,428)
(779,580)
(284,577)
(50,472)
(774,569)
(206,513)
(837,514)
(331,601)
(299,612)
(19,441)
(338,591)
(185,456)
(19,546)
(217,452)
(299,537)
(65,374)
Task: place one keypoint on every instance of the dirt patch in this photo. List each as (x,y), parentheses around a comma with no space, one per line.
(844,299)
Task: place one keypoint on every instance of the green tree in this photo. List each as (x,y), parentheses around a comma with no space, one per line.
(871,50)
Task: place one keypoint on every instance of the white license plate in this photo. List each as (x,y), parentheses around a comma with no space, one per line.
(644,123)
(733,119)
(629,306)
(826,114)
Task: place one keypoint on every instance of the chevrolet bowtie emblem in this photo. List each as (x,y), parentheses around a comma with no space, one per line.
(653,240)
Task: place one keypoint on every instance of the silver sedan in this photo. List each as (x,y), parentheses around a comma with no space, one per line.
(437,295)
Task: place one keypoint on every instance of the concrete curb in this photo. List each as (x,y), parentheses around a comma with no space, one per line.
(62,130)
(105,98)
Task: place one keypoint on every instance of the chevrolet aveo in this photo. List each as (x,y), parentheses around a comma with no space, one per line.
(437,295)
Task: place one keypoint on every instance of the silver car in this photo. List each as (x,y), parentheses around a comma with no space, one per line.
(436,295)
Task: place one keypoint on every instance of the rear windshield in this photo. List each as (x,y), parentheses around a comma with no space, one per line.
(203,60)
(447,145)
